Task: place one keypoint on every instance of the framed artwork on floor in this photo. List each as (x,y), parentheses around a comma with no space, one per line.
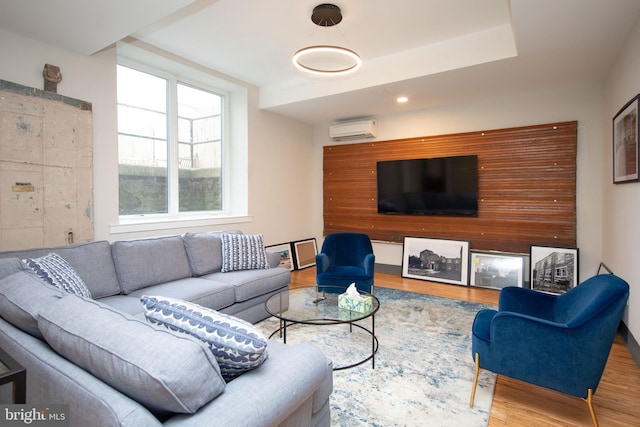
(625,143)
(304,252)
(496,269)
(553,270)
(437,260)
(284,250)
(603,269)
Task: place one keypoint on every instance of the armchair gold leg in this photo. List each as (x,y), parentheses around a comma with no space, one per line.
(475,381)
(589,401)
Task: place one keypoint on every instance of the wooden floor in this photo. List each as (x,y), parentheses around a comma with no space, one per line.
(515,403)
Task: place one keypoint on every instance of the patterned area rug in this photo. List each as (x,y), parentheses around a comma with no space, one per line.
(423,368)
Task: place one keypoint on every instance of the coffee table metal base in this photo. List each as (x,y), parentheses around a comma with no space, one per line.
(310,306)
(282,330)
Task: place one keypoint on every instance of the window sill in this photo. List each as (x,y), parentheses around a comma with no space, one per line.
(142,223)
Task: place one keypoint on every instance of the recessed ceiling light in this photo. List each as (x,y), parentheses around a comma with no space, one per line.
(402,99)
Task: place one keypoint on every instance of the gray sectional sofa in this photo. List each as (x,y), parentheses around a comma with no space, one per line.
(290,388)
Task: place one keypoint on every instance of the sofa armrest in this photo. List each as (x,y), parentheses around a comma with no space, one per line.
(369,264)
(273,259)
(322,263)
(290,381)
(55,380)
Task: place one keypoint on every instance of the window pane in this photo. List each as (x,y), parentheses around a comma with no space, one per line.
(199,149)
(142,142)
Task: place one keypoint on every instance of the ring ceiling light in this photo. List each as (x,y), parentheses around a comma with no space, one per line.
(326,59)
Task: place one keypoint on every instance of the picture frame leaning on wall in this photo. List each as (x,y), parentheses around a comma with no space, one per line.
(304,253)
(286,256)
(496,270)
(436,260)
(553,270)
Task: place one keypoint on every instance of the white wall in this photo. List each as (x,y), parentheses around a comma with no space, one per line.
(581,104)
(621,225)
(280,181)
(285,167)
(279,149)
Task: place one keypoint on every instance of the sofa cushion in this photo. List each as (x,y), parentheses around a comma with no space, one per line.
(23,295)
(146,262)
(208,293)
(56,271)
(243,252)
(94,264)
(9,266)
(237,345)
(163,371)
(127,304)
(250,284)
(205,251)
(92,261)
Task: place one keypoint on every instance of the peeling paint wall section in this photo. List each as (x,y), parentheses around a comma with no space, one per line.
(46,169)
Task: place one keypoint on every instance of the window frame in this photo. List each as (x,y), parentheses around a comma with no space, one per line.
(173,215)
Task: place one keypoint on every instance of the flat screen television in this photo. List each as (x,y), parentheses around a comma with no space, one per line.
(436,186)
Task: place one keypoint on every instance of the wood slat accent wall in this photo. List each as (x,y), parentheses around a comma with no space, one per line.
(526,189)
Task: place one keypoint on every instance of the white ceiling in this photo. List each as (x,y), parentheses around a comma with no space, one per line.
(436,52)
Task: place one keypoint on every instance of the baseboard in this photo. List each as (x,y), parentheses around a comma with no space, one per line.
(389,269)
(630,341)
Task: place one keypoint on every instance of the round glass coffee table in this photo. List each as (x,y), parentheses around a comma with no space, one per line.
(308,306)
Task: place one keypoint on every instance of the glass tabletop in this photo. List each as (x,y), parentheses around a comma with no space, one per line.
(308,305)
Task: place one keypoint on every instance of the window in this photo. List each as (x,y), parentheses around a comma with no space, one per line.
(170,143)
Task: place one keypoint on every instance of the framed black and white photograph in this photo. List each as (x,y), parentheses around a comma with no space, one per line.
(553,270)
(496,269)
(437,260)
(284,250)
(625,143)
(304,253)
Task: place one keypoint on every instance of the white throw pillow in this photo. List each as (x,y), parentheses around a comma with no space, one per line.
(237,345)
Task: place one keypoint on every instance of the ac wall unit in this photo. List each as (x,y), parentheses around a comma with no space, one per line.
(353,130)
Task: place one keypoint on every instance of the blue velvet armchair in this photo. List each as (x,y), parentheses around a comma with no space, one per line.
(345,258)
(560,342)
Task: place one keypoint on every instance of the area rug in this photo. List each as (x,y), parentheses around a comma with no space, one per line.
(423,368)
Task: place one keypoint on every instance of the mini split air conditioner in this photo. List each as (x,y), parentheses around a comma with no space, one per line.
(353,130)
